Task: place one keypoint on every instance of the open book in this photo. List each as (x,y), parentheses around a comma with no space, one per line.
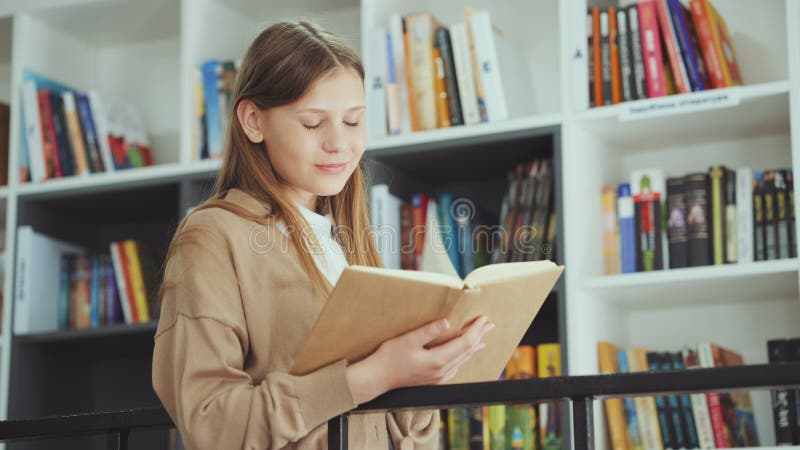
(370,305)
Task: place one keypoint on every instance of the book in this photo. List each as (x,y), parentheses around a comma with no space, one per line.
(627,228)
(670,41)
(744,214)
(702,417)
(465,81)
(651,49)
(677,232)
(549,365)
(631,418)
(509,294)
(625,56)
(783,400)
(605,61)
(613,42)
(794,356)
(615,409)
(637,59)
(611,256)
(697,219)
(375,84)
(759,245)
(38,272)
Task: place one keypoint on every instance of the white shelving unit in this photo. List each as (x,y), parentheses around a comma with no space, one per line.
(148,50)
(739,306)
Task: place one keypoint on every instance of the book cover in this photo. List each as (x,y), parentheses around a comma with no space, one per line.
(445,47)
(549,365)
(781,214)
(702,418)
(737,409)
(670,40)
(730,66)
(718,233)
(363,295)
(627,228)
(637,57)
(794,356)
(611,256)
(709,356)
(458,428)
(398,58)
(462,60)
(674,361)
(420,28)
(789,175)
(375,87)
(476,428)
(625,57)
(706,37)
(647,213)
(605,59)
(613,42)
(687,50)
(697,219)
(670,435)
(783,400)
(631,418)
(770,216)
(651,49)
(597,57)
(731,231)
(677,231)
(744,214)
(614,407)
(393,101)
(440,90)
(646,410)
(759,237)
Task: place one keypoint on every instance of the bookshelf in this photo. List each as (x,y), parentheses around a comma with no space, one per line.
(148,51)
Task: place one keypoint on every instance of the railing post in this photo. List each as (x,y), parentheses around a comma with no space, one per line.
(583,423)
(337,432)
(118,439)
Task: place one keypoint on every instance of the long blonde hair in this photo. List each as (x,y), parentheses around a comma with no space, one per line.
(278,68)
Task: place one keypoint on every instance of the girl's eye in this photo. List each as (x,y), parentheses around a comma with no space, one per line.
(311,127)
(354,124)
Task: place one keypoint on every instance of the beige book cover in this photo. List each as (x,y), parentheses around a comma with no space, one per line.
(370,305)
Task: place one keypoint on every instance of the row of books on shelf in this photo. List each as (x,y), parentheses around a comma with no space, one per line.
(785,402)
(699,420)
(69,132)
(422,75)
(64,286)
(658,47)
(526,230)
(213,91)
(705,218)
(510,427)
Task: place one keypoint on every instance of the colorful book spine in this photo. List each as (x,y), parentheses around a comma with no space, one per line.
(613,42)
(611,257)
(759,245)
(647,211)
(549,365)
(781,214)
(597,57)
(708,42)
(639,72)
(671,44)
(669,434)
(631,418)
(677,231)
(627,228)
(697,219)
(685,402)
(783,400)
(770,214)
(605,60)
(625,56)
(393,105)
(651,49)
(687,49)
(614,407)
(451,85)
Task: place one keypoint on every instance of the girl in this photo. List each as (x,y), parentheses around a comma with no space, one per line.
(248,271)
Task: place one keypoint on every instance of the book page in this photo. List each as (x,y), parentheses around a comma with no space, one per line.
(495,273)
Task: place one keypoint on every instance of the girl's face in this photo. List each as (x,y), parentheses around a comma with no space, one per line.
(316,142)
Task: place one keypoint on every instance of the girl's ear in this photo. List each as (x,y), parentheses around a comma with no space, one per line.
(249,118)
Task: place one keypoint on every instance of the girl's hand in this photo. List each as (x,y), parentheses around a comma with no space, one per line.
(404,361)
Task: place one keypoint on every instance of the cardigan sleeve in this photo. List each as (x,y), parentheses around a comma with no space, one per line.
(414,430)
(199,355)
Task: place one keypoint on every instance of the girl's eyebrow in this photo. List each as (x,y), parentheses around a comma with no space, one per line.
(322,111)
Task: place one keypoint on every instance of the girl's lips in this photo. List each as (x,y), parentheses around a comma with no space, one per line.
(331,168)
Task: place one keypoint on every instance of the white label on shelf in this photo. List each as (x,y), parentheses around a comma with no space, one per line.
(680,104)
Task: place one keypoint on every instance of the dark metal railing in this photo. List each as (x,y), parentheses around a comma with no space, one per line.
(580,391)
